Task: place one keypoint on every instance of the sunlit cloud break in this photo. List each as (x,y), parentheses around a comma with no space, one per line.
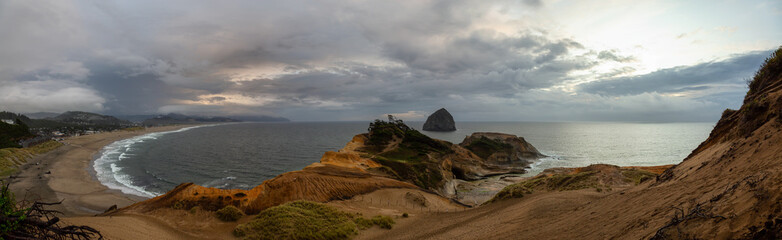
(651,61)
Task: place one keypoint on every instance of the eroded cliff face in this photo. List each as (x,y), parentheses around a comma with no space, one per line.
(728,188)
(318,182)
(737,171)
(391,155)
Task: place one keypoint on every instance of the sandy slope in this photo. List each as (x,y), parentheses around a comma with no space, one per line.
(131,227)
(728,188)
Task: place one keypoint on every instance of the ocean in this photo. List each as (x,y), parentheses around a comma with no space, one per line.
(242,155)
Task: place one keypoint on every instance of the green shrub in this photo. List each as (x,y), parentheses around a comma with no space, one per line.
(557,182)
(383,221)
(229,213)
(307,220)
(179,205)
(637,176)
(363,223)
(195,209)
(405,215)
(767,73)
(12,215)
(511,191)
(299,220)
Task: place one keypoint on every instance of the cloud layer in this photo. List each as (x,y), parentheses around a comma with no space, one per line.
(339,60)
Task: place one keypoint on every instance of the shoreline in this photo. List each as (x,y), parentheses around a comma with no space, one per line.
(65,174)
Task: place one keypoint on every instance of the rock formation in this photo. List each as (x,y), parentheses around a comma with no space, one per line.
(440,121)
(390,155)
(499,149)
(727,188)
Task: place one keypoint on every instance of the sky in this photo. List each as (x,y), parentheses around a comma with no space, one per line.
(326,60)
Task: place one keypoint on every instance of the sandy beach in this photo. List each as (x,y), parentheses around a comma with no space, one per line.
(64,175)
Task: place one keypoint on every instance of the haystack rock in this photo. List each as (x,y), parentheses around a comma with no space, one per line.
(440,121)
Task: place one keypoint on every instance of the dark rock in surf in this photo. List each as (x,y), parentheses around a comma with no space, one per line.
(440,121)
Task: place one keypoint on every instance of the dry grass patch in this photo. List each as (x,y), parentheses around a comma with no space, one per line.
(307,220)
(11,158)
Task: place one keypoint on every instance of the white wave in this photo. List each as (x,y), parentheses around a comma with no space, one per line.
(112,176)
(220,183)
(541,164)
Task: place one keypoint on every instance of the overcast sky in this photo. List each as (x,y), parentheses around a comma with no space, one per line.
(324,60)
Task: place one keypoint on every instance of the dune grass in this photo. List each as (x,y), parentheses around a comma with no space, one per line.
(567,182)
(229,213)
(556,182)
(307,220)
(11,158)
(637,176)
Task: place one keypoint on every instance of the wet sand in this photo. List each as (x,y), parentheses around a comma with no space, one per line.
(64,175)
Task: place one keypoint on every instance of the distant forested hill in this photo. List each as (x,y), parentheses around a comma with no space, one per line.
(10,134)
(173,118)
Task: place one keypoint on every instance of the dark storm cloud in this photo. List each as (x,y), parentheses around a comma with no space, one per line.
(324,60)
(734,70)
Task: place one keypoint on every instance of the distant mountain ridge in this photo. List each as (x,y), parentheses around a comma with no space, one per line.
(41,115)
(173,118)
(87,118)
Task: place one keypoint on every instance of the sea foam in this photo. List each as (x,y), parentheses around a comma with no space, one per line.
(111,175)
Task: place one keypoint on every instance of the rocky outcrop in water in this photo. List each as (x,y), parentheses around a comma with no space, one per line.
(440,121)
(501,148)
(390,155)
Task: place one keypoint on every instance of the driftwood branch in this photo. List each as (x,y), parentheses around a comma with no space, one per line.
(38,222)
(679,217)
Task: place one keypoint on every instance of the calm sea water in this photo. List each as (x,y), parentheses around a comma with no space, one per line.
(244,155)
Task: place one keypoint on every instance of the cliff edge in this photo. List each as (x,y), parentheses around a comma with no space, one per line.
(727,188)
(391,155)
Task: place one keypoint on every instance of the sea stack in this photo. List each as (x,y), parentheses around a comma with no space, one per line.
(440,121)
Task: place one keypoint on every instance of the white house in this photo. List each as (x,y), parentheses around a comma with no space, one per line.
(9,121)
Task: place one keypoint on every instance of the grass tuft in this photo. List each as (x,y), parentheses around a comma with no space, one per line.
(307,220)
(229,213)
(637,176)
(556,182)
(567,182)
(383,221)
(195,209)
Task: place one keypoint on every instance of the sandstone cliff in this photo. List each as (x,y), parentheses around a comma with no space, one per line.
(390,155)
(727,188)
